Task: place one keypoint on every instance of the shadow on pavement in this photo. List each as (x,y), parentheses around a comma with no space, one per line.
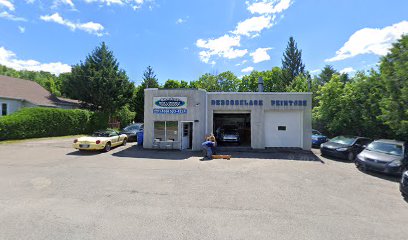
(295,155)
(138,152)
(84,153)
(384,176)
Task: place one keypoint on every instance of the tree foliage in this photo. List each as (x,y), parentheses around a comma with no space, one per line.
(223,82)
(99,82)
(394,75)
(292,64)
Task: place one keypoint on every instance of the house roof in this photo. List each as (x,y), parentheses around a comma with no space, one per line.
(30,91)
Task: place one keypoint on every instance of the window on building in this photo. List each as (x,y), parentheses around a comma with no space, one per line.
(166,131)
(3,109)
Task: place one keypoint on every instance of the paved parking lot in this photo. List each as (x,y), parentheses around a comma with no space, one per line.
(50,191)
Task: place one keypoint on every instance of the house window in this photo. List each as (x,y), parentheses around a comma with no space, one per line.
(166,131)
(3,109)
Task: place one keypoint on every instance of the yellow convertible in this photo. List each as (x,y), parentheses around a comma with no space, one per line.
(100,140)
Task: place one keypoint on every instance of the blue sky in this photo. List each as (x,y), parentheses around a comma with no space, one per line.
(184,39)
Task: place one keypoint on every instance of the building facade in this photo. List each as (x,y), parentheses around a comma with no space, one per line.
(181,118)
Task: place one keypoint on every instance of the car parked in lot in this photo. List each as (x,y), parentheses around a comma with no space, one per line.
(100,140)
(404,184)
(132,130)
(318,138)
(346,147)
(388,156)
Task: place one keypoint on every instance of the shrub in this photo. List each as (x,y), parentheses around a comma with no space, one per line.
(49,122)
(125,116)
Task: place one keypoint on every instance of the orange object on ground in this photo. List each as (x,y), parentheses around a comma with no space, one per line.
(228,157)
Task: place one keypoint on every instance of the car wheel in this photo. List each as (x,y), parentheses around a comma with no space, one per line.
(350,156)
(107,147)
(124,142)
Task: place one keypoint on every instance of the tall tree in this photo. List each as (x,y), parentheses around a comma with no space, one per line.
(169,84)
(394,73)
(149,81)
(223,82)
(292,64)
(99,82)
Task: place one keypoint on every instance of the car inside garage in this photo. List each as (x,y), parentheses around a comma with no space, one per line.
(232,129)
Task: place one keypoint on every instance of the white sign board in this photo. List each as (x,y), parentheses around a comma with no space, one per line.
(169,102)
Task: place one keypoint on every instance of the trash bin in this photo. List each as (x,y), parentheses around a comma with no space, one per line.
(139,136)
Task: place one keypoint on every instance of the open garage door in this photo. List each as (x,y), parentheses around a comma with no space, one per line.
(283,129)
(232,129)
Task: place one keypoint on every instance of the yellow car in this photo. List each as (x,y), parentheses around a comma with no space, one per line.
(100,140)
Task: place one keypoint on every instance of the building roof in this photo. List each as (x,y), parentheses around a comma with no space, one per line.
(15,88)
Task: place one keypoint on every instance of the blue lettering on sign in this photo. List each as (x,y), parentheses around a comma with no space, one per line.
(289,103)
(213,102)
(169,111)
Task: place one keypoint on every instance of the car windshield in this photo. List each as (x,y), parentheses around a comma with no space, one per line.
(314,132)
(132,128)
(100,134)
(343,140)
(388,148)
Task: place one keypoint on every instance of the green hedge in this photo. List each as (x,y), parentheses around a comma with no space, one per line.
(50,122)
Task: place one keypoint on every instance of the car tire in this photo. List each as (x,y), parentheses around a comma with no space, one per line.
(124,142)
(350,157)
(107,147)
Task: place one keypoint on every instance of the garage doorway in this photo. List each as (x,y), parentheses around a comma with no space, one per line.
(232,129)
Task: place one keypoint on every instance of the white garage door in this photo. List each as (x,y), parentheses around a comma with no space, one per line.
(283,129)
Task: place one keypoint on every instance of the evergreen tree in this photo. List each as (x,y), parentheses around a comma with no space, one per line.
(99,82)
(326,74)
(292,64)
(149,81)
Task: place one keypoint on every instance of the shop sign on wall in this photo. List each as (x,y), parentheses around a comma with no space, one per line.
(170,105)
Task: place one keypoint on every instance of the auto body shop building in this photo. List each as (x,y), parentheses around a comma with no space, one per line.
(181,118)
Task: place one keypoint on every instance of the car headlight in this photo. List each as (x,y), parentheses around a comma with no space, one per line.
(405,173)
(395,163)
(342,149)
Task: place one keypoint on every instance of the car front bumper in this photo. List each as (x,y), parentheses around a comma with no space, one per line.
(378,166)
(334,153)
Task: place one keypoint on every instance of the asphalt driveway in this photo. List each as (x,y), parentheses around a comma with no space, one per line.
(50,191)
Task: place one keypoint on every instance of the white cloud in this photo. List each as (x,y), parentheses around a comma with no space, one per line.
(371,41)
(11,17)
(8,4)
(269,7)
(222,46)
(63,2)
(89,27)
(347,70)
(21,29)
(241,63)
(135,4)
(9,59)
(316,71)
(247,69)
(260,55)
(254,25)
(181,20)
